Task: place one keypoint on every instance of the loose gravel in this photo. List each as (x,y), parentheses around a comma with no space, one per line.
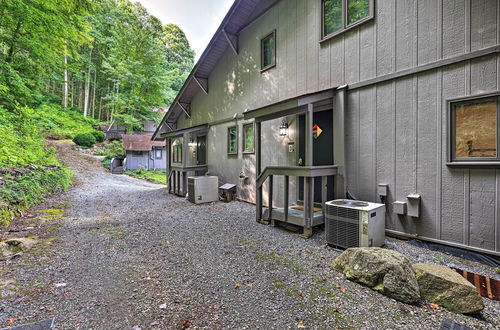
(128,255)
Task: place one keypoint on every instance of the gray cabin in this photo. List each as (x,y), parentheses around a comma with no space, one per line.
(143,153)
(394,101)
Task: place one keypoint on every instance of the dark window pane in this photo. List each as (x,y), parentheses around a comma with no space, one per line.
(249,137)
(268,50)
(232,140)
(476,129)
(332,16)
(357,10)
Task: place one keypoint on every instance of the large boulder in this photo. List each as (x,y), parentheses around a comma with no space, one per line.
(386,271)
(445,287)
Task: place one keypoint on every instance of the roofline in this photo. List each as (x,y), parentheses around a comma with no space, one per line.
(195,68)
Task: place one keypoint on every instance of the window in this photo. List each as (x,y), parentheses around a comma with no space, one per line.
(136,153)
(341,15)
(268,51)
(177,151)
(248,138)
(474,129)
(232,140)
(158,154)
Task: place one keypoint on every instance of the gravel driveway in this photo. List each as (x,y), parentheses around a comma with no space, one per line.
(126,255)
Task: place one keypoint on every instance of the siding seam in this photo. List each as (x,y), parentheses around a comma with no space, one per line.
(439,150)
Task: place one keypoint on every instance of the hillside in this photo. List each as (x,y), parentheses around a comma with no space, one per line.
(29,169)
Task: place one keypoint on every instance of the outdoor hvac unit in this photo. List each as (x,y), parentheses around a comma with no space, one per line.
(355,223)
(203,189)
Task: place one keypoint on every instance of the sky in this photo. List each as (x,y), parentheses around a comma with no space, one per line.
(199,19)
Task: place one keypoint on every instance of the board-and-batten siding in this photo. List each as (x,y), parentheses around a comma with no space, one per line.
(396,130)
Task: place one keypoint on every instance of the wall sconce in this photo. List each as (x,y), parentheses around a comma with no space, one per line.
(284,128)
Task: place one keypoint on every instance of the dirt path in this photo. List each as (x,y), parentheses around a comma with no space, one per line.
(126,255)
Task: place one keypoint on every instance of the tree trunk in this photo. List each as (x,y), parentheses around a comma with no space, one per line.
(72,92)
(93,94)
(65,84)
(87,87)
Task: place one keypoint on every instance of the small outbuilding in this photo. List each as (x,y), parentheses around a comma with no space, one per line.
(142,152)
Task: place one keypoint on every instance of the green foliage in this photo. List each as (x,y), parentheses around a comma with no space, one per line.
(159,177)
(99,136)
(86,140)
(357,10)
(22,144)
(54,120)
(129,122)
(21,192)
(34,35)
(113,149)
(178,52)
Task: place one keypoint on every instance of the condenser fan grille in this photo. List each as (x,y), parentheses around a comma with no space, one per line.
(342,226)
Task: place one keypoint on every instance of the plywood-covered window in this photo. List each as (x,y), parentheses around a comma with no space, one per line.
(232,140)
(268,51)
(341,15)
(248,138)
(158,154)
(474,129)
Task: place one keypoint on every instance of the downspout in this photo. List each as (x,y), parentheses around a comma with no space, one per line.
(339,145)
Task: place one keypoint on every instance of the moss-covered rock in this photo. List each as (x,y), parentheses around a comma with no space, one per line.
(386,271)
(15,246)
(445,287)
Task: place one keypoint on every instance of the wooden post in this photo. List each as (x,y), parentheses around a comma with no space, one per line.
(309,135)
(286,196)
(308,206)
(270,199)
(178,175)
(185,145)
(258,169)
(169,163)
(324,194)
(308,181)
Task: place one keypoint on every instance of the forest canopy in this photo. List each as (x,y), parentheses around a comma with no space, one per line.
(99,57)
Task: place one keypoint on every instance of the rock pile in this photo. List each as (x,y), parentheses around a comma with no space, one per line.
(386,271)
(391,273)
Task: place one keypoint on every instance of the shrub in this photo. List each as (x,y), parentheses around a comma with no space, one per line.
(23,191)
(54,120)
(99,136)
(114,149)
(86,140)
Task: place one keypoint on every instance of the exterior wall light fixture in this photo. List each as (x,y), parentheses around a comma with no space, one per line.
(283,128)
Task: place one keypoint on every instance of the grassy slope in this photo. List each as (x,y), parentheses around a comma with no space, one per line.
(29,169)
(159,177)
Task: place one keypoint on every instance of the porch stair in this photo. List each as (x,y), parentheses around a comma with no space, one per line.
(306,216)
(294,216)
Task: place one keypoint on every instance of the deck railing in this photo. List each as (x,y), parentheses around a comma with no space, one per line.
(309,173)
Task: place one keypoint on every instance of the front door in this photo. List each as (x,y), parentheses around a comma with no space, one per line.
(322,150)
(201,150)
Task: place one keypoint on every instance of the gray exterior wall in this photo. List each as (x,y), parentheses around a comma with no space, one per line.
(395,130)
(146,160)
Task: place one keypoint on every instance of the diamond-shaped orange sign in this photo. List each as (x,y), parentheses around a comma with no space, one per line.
(317,131)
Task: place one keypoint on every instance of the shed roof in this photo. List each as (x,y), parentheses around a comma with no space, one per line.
(241,14)
(140,142)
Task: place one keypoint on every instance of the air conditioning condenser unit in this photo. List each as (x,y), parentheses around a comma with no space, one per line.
(203,189)
(351,223)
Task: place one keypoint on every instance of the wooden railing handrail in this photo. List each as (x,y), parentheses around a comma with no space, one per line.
(297,171)
(189,168)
